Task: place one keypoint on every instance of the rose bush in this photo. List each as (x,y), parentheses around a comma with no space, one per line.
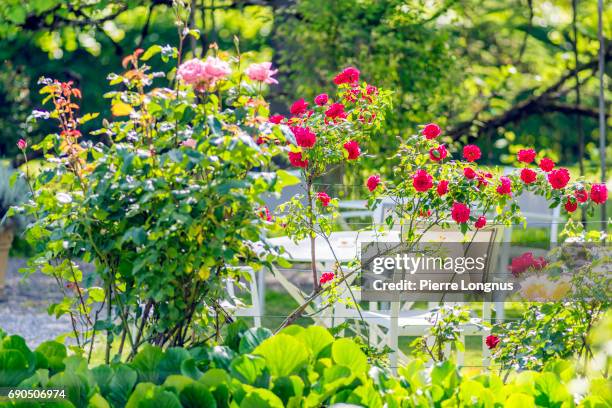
(163,200)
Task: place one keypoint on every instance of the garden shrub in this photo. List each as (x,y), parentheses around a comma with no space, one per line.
(298,367)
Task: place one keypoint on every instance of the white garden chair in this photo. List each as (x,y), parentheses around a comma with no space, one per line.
(236,306)
(397,320)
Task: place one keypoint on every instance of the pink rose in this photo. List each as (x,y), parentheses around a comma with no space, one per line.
(480,222)
(191,143)
(335,111)
(299,107)
(323,198)
(422,181)
(526,155)
(22,144)
(261,72)
(558,179)
(296,159)
(599,193)
(201,74)
(505,186)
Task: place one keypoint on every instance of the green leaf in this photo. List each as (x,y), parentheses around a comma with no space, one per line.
(146,362)
(54,353)
(345,352)
(196,395)
(518,400)
(13,368)
(261,398)
(147,395)
(150,52)
(284,354)
(172,361)
(248,369)
(252,338)
(316,338)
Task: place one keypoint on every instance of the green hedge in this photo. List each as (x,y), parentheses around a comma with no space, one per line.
(299,367)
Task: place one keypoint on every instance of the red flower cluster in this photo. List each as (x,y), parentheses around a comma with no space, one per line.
(323,198)
(528,176)
(492,341)
(335,111)
(471,153)
(438,153)
(299,107)
(442,187)
(558,179)
(321,99)
(326,277)
(422,181)
(296,159)
(480,222)
(469,173)
(373,182)
(304,137)
(526,155)
(349,75)
(546,164)
(352,148)
(460,213)
(431,131)
(276,119)
(521,263)
(505,186)
(599,193)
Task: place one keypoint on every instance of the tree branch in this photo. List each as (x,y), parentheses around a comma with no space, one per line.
(541,103)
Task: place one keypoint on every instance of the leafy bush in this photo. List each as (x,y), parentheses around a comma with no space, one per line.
(298,367)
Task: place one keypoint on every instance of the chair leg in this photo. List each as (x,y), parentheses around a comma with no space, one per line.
(255,300)
(461,354)
(486,353)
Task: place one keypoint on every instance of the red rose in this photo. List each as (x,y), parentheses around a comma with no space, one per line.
(526,155)
(438,153)
(326,277)
(22,144)
(321,99)
(471,153)
(505,186)
(323,198)
(431,131)
(460,213)
(349,75)
(559,178)
(371,90)
(469,173)
(546,164)
(523,262)
(295,158)
(571,205)
(304,137)
(299,107)
(528,176)
(480,222)
(276,119)
(335,111)
(373,182)
(492,341)
(599,193)
(352,147)
(581,195)
(422,181)
(442,187)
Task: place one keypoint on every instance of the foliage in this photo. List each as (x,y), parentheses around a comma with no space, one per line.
(576,277)
(298,367)
(444,333)
(12,192)
(165,209)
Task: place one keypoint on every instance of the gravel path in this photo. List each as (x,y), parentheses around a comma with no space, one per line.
(24,309)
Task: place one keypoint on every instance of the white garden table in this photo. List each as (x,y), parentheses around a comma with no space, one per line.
(345,247)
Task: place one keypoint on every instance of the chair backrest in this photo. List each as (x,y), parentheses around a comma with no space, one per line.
(383,210)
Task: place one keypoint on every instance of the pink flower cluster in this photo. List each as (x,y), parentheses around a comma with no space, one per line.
(261,72)
(202,74)
(521,263)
